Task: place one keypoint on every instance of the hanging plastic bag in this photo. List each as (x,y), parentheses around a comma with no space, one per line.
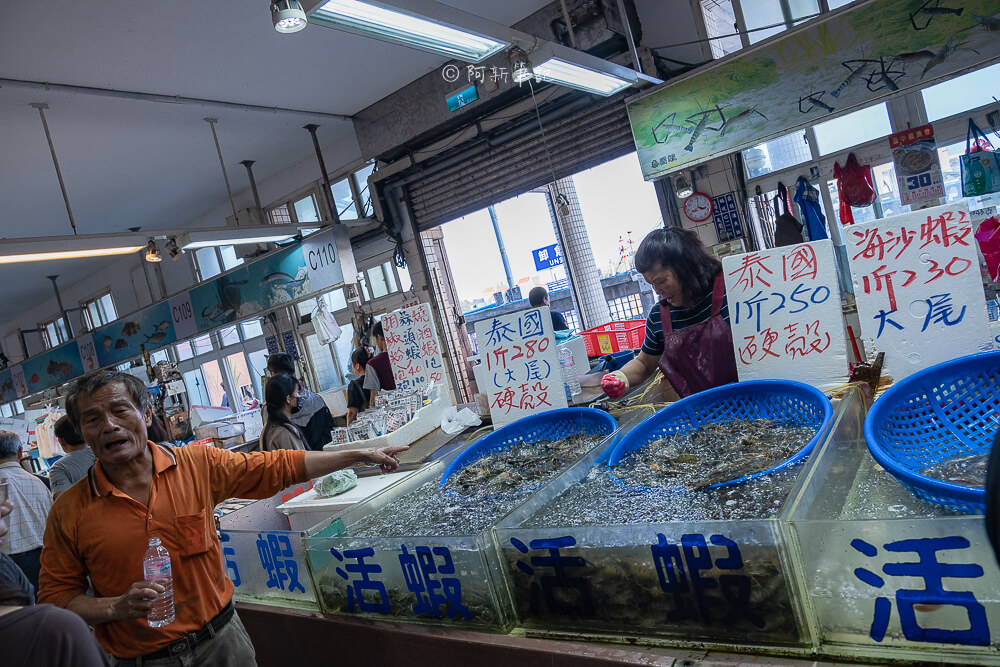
(989,244)
(327,329)
(455,421)
(787,229)
(857,187)
(846,215)
(980,171)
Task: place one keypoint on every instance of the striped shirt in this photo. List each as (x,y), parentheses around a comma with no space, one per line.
(679,318)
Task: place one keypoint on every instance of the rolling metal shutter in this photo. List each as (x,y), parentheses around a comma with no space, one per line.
(591,135)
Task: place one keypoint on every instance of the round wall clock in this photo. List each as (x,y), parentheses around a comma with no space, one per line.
(698,207)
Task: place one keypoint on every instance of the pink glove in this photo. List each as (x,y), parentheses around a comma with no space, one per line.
(614,385)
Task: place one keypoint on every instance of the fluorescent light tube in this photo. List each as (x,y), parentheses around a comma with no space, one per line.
(398,25)
(557,70)
(194,244)
(66,254)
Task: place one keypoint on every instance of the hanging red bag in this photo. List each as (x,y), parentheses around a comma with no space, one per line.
(989,244)
(846,215)
(857,185)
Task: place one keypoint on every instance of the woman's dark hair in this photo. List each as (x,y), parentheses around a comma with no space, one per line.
(278,388)
(681,251)
(360,357)
(378,331)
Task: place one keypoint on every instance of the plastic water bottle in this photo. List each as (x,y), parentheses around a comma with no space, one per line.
(156,565)
(570,380)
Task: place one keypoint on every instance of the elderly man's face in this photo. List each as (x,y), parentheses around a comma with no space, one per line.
(113,426)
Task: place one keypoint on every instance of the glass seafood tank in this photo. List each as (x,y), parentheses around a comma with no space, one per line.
(605,555)
(263,558)
(424,552)
(886,575)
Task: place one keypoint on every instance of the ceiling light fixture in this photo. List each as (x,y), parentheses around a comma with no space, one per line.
(421,24)
(13,251)
(287,16)
(153,252)
(173,252)
(520,66)
(209,238)
(576,69)
(682,186)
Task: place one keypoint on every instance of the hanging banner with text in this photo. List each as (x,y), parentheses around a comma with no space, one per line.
(784,309)
(917,282)
(522,364)
(918,169)
(810,74)
(412,344)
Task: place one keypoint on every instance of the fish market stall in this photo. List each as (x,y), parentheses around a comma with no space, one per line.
(423,552)
(308,509)
(595,554)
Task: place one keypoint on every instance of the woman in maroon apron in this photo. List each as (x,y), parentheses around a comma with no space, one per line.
(687,334)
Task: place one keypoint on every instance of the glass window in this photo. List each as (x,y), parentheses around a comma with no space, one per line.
(101,310)
(229,258)
(229,336)
(194,383)
(961,93)
(236,364)
(344,200)
(853,129)
(335,300)
(158,356)
(322,363)
(183,351)
(18,407)
(305,209)
(361,179)
(56,330)
(252,329)
(6,410)
(280,215)
(762,13)
(214,383)
(835,4)
(202,344)
(258,369)
(363,287)
(390,276)
(777,154)
(405,283)
(342,348)
(376,279)
(720,19)
(208,262)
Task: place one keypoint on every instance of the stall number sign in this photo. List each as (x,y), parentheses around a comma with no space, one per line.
(784,309)
(20,384)
(547,257)
(412,344)
(915,156)
(320,252)
(182,315)
(919,293)
(522,364)
(88,353)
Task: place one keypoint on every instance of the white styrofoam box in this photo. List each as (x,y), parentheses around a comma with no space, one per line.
(336,400)
(308,509)
(425,420)
(205,414)
(578,347)
(220,430)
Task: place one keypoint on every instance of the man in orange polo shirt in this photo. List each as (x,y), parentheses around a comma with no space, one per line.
(100,527)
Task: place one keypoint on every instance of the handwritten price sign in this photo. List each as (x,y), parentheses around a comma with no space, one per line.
(412,343)
(522,364)
(920,296)
(784,308)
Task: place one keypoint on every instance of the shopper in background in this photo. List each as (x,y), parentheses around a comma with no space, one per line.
(32,502)
(539,296)
(378,374)
(313,416)
(281,399)
(39,634)
(358,397)
(687,333)
(73,467)
(99,530)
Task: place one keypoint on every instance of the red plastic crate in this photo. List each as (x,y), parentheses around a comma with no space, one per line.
(614,337)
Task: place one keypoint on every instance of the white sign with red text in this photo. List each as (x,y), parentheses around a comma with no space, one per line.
(919,292)
(784,310)
(522,364)
(412,344)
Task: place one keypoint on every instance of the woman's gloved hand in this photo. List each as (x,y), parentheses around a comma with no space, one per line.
(614,385)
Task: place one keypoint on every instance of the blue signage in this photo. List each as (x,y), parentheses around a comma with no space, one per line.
(547,257)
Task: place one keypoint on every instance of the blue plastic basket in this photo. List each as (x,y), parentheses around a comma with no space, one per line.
(551,425)
(942,412)
(783,400)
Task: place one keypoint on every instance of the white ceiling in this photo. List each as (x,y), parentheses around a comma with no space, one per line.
(129,163)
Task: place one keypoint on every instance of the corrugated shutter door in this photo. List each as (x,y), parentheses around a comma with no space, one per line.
(585,139)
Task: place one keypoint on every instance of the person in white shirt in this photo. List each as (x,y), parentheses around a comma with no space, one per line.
(32,502)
